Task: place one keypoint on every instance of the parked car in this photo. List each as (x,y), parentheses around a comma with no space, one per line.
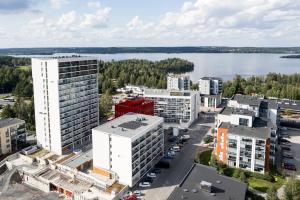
(147,179)
(168,157)
(151,175)
(137,193)
(144,184)
(286,148)
(284,140)
(285,144)
(186,137)
(285,155)
(171,153)
(175,148)
(290,167)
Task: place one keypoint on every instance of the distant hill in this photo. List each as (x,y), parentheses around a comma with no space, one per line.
(114,50)
(291,56)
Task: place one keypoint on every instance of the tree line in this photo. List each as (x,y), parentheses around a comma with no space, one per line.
(271,85)
(116,74)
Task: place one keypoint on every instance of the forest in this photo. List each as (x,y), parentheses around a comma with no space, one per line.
(271,85)
(116,74)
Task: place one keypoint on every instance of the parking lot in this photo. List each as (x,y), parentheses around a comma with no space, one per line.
(292,135)
(165,182)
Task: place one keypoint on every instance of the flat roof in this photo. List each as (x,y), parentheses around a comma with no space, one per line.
(169,93)
(236,111)
(223,187)
(289,104)
(66,58)
(79,159)
(255,132)
(210,78)
(10,121)
(245,99)
(129,125)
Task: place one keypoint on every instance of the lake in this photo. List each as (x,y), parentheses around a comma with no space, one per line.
(224,65)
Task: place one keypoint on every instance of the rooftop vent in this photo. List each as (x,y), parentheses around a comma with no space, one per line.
(206,186)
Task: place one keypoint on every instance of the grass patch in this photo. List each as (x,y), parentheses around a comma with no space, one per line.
(264,185)
(203,157)
(259,184)
(25,68)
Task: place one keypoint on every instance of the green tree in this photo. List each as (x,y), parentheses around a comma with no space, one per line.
(105,104)
(8,112)
(272,194)
(292,189)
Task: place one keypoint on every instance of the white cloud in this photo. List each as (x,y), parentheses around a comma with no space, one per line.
(94,4)
(98,19)
(67,19)
(58,3)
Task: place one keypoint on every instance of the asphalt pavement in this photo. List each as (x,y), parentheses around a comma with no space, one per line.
(168,179)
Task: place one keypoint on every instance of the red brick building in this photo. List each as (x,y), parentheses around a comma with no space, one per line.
(136,105)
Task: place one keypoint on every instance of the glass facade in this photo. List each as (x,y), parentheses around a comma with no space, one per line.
(78,100)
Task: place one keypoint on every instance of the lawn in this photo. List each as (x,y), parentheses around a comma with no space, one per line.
(203,157)
(264,185)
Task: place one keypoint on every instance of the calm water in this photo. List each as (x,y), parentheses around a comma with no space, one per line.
(222,65)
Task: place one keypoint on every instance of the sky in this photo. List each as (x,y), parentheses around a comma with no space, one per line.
(106,23)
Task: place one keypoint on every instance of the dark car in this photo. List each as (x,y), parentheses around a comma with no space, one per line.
(285,148)
(287,156)
(148,179)
(290,167)
(285,140)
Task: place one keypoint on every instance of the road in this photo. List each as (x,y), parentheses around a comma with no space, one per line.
(165,183)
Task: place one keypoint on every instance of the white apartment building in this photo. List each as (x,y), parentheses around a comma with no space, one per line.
(244,147)
(210,86)
(180,107)
(66,101)
(178,82)
(128,147)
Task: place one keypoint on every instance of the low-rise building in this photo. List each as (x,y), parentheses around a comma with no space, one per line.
(128,147)
(204,182)
(70,175)
(210,102)
(12,135)
(210,86)
(134,104)
(178,82)
(175,106)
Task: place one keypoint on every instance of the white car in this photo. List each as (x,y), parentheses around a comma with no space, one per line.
(144,184)
(151,175)
(175,148)
(171,153)
(137,193)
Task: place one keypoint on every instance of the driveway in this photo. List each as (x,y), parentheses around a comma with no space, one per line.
(165,183)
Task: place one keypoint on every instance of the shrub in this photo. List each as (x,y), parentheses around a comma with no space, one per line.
(208,139)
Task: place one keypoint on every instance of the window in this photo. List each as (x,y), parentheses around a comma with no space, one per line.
(243,121)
